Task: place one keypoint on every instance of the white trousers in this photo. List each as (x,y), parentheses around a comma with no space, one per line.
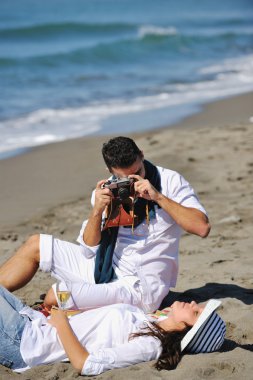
(68,263)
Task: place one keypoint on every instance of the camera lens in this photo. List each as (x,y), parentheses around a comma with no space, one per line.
(123,193)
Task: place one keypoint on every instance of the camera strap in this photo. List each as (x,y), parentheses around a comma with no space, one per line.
(144,209)
(134,211)
(119,213)
(139,210)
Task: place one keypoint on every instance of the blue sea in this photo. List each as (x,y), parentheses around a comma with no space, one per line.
(72,68)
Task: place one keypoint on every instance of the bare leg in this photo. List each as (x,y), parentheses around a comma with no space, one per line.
(20,268)
(50,299)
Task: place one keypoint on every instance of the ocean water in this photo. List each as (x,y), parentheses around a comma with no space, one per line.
(82,67)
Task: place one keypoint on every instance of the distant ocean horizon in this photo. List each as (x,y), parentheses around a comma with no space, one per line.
(86,67)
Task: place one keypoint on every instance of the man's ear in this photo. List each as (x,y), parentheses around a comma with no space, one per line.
(142,155)
(108,169)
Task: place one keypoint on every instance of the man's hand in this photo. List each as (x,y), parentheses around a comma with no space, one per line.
(144,189)
(102,197)
(92,232)
(188,218)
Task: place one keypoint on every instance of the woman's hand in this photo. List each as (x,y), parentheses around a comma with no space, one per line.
(58,317)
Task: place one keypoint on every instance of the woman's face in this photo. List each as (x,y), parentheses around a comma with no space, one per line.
(181,315)
(185,312)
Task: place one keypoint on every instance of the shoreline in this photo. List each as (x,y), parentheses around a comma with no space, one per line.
(56,173)
(194,118)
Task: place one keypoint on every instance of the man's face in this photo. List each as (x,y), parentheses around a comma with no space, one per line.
(136,168)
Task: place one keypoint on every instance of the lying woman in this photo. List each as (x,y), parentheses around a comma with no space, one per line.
(110,337)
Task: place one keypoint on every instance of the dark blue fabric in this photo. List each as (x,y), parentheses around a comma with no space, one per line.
(104,271)
(152,174)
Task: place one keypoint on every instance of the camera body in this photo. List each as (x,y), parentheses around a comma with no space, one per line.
(122,188)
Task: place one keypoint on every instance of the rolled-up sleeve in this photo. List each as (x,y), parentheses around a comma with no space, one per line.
(141,349)
(89,251)
(182,192)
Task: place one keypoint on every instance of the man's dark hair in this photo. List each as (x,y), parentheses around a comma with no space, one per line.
(120,152)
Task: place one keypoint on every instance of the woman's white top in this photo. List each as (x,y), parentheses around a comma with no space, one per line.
(104,332)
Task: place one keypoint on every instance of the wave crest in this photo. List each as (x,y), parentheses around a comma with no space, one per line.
(157,31)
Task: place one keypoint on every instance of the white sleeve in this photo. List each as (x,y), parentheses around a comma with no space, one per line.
(141,349)
(91,251)
(180,191)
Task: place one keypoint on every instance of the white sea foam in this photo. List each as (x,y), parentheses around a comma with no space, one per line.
(240,65)
(152,30)
(232,77)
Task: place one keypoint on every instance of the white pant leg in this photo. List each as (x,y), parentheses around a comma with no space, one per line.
(90,296)
(66,261)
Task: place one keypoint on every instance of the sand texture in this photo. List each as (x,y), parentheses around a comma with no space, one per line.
(48,190)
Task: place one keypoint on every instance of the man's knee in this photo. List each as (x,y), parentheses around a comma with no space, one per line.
(50,299)
(31,248)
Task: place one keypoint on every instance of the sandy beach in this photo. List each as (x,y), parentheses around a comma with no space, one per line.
(48,190)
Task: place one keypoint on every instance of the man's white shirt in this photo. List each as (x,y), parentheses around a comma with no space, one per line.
(149,256)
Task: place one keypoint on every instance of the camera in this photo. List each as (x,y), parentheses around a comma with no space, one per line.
(120,212)
(122,188)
